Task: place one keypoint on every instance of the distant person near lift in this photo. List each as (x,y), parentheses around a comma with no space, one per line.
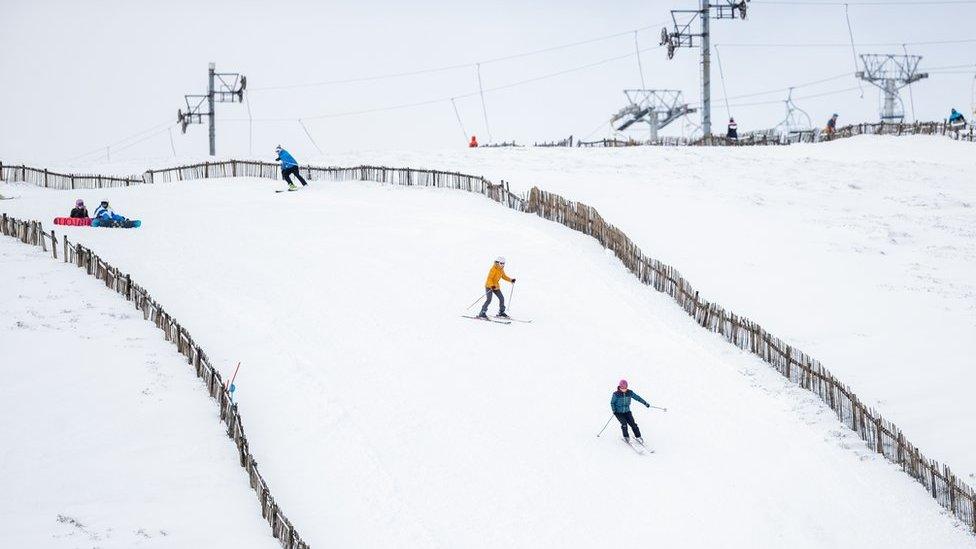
(831,126)
(289,167)
(956,120)
(733,132)
(474,142)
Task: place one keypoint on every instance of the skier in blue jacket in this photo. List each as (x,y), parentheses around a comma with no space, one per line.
(289,167)
(620,404)
(956,118)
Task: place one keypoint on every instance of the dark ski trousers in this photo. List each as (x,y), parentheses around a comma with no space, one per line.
(625,419)
(288,172)
(501,301)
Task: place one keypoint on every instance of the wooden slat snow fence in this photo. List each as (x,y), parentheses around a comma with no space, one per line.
(32,232)
(879,434)
(762,138)
(63,181)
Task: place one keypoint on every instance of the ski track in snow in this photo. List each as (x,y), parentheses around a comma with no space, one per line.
(380,418)
(107,439)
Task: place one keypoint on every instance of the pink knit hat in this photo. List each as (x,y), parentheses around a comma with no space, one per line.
(622,384)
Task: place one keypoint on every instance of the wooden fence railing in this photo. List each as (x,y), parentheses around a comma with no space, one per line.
(568,142)
(762,138)
(63,181)
(32,232)
(879,434)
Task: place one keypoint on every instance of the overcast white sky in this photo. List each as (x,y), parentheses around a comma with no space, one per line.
(79,75)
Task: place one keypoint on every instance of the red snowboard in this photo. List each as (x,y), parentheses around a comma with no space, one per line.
(76,221)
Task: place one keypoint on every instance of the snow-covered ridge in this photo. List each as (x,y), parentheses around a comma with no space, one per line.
(880,435)
(32,233)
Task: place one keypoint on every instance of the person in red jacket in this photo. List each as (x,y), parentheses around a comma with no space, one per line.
(474,142)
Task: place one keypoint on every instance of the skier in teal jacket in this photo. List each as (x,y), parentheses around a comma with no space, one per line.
(620,404)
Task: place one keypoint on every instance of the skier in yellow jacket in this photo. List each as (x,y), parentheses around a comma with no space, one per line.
(496,274)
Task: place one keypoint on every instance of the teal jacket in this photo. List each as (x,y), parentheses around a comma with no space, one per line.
(620,401)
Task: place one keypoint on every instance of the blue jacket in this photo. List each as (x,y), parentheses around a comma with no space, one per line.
(101,212)
(620,402)
(286,159)
(955,115)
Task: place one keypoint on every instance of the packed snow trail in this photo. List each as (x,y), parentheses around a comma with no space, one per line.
(382,418)
(107,438)
(860,252)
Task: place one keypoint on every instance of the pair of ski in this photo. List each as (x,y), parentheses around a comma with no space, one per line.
(497,319)
(637,446)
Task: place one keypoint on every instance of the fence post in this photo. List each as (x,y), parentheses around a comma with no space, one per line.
(54,244)
(877,430)
(951,480)
(45,178)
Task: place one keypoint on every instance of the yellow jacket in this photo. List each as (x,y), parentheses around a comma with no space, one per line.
(497,272)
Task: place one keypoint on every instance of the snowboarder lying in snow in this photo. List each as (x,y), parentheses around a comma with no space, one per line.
(496,273)
(620,404)
(79,210)
(289,167)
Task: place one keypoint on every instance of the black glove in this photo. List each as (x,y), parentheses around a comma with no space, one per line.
(513,281)
(648,405)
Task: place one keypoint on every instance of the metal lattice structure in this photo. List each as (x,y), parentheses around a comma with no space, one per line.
(891,73)
(973,100)
(224,87)
(656,108)
(683,36)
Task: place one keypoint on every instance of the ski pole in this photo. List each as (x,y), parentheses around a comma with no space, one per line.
(510,294)
(233,377)
(658,408)
(230,384)
(476,301)
(605,426)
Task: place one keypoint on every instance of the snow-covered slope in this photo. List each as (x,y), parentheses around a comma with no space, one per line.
(107,439)
(382,418)
(861,252)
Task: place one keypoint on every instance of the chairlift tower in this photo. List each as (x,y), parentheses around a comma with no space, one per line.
(229,89)
(796,119)
(973,100)
(684,37)
(657,108)
(890,73)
